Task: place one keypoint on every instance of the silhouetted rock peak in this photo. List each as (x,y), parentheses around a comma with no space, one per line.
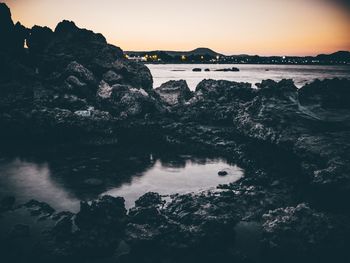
(66,26)
(39,38)
(69,28)
(5,15)
(12,36)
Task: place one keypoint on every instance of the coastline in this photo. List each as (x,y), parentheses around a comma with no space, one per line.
(72,91)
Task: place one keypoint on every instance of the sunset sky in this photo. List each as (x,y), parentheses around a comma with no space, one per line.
(263,27)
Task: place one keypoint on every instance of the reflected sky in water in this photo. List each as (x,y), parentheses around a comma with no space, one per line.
(166,179)
(26,180)
(64,182)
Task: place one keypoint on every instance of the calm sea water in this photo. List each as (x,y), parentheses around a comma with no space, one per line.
(301,74)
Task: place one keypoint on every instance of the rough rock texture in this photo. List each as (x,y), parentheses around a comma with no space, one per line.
(174,92)
(70,85)
(329,94)
(317,135)
(301,234)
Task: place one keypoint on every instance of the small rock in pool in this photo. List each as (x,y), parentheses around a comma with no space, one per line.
(233,69)
(222,173)
(197,69)
(93,182)
(207,69)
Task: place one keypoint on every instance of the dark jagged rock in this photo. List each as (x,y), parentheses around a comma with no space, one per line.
(149,199)
(71,85)
(174,92)
(137,74)
(99,230)
(302,234)
(6,28)
(39,38)
(328,94)
(314,134)
(65,84)
(219,89)
(213,100)
(12,35)
(106,212)
(37,208)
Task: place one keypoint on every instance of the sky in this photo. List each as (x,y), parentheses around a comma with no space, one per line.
(262,27)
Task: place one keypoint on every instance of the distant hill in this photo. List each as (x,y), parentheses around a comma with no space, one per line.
(207,55)
(196,52)
(337,56)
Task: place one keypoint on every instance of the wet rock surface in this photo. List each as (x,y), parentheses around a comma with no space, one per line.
(70,85)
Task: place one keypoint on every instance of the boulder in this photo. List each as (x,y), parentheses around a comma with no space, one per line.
(329,94)
(174,92)
(106,212)
(135,74)
(112,78)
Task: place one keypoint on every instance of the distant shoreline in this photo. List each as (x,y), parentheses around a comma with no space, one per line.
(233,63)
(208,56)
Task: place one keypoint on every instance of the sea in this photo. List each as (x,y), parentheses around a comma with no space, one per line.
(301,74)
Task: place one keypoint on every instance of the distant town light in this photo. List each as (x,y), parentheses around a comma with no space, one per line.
(183,57)
(202,57)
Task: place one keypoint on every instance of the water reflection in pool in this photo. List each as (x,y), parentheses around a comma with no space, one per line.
(167,179)
(64,181)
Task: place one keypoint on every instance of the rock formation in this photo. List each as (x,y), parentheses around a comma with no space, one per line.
(71,87)
(174,92)
(71,77)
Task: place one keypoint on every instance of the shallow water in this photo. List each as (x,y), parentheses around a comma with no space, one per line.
(63,182)
(301,74)
(166,179)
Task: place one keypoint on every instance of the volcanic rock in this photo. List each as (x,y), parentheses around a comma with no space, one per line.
(174,92)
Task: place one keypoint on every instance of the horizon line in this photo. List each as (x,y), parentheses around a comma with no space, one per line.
(232,54)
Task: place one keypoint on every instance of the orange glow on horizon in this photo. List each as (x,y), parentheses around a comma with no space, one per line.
(269,27)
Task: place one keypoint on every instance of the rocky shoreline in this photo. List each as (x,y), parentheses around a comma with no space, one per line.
(69,86)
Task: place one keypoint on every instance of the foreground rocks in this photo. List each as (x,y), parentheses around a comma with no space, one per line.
(69,78)
(71,86)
